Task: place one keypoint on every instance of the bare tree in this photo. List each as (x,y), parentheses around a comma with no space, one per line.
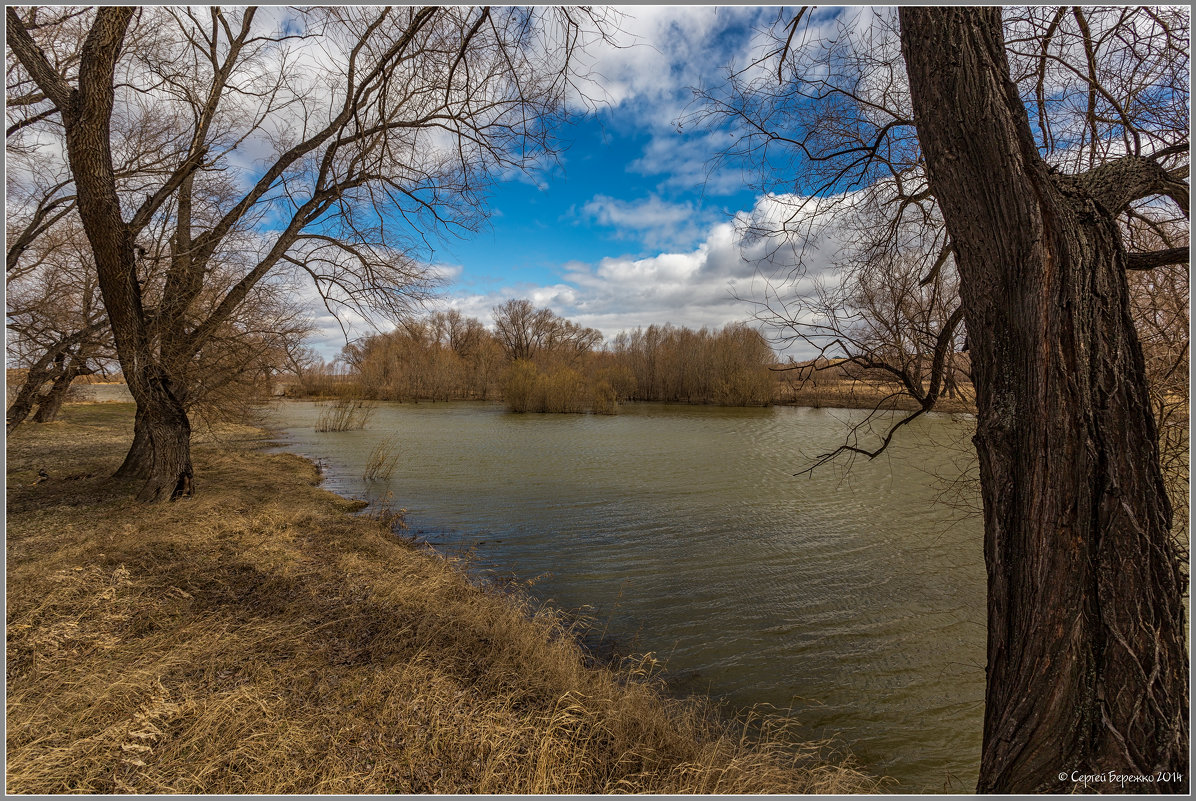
(728,366)
(526,332)
(1041,141)
(460,334)
(521,327)
(1064,417)
(378,125)
(59,331)
(56,323)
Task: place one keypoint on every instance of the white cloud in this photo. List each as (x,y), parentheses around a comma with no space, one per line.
(646,79)
(688,162)
(657,53)
(711,284)
(653,221)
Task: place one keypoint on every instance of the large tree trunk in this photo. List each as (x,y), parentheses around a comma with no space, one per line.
(160,454)
(1087,665)
(169,474)
(140,456)
(86,114)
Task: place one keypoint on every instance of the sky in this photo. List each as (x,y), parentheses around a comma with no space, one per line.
(636,222)
(633,223)
(631,226)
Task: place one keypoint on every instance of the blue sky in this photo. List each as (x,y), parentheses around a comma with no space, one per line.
(606,199)
(629,228)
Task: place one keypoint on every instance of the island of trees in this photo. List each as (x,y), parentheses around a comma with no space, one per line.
(535,360)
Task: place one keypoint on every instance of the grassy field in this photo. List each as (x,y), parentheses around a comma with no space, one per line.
(261,638)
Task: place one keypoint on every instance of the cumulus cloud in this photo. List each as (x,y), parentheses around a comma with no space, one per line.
(701,271)
(657,53)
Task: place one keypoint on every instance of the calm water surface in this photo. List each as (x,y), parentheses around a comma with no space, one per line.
(854,597)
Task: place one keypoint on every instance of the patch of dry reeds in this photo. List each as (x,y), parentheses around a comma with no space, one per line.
(520,386)
(604,399)
(259,638)
(382,460)
(563,391)
(344,414)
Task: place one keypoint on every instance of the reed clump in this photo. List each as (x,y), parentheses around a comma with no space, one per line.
(259,638)
(344,414)
(521,386)
(604,398)
(382,460)
(564,391)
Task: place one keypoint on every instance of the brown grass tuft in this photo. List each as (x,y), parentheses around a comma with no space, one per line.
(259,638)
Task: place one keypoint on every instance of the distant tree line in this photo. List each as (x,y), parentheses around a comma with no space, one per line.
(538,361)
(728,367)
(443,356)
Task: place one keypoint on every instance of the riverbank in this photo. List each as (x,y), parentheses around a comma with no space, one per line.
(843,395)
(865,396)
(262,638)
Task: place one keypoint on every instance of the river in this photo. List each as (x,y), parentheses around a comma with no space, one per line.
(853,596)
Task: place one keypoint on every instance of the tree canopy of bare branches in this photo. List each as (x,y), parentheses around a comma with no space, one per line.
(56,325)
(525,331)
(343,139)
(837,151)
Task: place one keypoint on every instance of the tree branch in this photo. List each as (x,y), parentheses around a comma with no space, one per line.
(1157,258)
(33,59)
(1118,183)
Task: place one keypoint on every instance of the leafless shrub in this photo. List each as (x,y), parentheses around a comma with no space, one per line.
(519,386)
(605,399)
(563,391)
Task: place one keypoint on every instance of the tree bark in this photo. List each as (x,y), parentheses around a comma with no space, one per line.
(140,455)
(1087,664)
(169,474)
(26,397)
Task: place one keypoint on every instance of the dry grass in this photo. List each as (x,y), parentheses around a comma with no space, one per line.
(259,638)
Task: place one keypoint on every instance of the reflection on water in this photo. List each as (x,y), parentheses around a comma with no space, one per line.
(856,597)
